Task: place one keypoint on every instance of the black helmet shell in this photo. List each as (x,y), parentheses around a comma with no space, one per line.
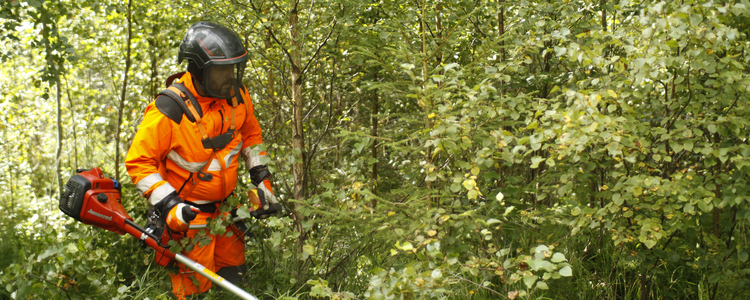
(208,44)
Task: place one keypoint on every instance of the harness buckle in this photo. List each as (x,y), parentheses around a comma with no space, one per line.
(204,176)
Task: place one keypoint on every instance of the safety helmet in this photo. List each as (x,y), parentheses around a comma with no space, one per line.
(207,45)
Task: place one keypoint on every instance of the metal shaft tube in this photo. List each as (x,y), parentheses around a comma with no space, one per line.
(138,232)
(213,277)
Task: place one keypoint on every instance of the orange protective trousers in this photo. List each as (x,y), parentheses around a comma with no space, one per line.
(223,251)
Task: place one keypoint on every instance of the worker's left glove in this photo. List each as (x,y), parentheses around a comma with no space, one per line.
(261,177)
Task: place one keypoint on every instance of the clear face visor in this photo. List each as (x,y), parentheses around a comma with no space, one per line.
(223,81)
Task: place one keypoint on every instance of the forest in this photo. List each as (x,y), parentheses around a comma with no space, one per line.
(441,149)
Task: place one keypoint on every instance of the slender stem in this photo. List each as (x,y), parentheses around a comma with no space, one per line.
(124,92)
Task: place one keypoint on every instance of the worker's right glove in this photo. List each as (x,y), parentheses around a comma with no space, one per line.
(176,213)
(263,205)
(262,197)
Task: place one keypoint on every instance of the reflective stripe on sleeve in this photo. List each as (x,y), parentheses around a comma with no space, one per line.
(147,182)
(159,193)
(253,160)
(270,197)
(179,214)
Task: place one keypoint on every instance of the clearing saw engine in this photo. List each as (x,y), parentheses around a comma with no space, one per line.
(94,199)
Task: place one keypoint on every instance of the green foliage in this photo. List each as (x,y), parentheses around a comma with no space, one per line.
(584,150)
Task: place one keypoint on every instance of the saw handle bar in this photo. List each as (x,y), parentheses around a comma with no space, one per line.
(201,226)
(147,238)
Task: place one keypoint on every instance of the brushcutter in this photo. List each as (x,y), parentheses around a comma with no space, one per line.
(94,199)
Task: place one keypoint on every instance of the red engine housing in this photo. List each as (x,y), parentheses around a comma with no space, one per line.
(94,199)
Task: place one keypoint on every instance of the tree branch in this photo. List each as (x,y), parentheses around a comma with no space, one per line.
(304,70)
(270,32)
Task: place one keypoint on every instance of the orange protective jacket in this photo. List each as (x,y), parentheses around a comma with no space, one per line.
(167,155)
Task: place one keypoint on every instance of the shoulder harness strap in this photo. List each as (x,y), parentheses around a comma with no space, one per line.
(187,102)
(173,103)
(177,100)
(185,99)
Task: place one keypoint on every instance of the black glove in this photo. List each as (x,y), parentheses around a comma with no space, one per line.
(263,205)
(267,204)
(176,213)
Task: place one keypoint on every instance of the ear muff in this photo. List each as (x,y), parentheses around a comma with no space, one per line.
(195,71)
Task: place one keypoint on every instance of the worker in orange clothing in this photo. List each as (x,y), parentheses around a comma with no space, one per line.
(184,157)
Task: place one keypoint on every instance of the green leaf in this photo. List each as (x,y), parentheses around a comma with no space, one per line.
(469,184)
(688,146)
(233,201)
(533,125)
(566,271)
(499,196)
(72,249)
(319,288)
(307,250)
(406,246)
(712,128)
(542,285)
(529,280)
(688,208)
(407,66)
(47,253)
(535,161)
(576,211)
(617,198)
(612,94)
(558,257)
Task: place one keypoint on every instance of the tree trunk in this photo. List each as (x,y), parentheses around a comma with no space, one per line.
(298,138)
(122,95)
(604,15)
(58,160)
(439,29)
(717,216)
(374,133)
(155,84)
(271,83)
(643,284)
(73,118)
(298,134)
(501,28)
(427,103)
